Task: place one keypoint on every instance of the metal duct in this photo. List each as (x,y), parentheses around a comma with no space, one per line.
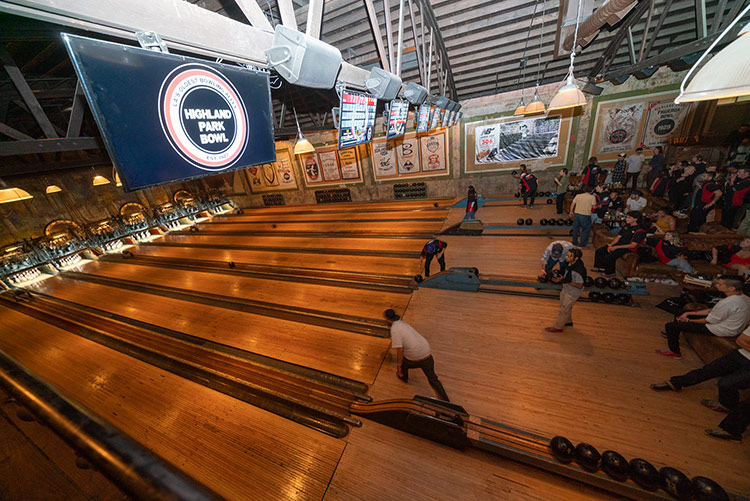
(609,13)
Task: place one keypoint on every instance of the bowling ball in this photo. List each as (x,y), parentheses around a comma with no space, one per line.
(240,211)
(555,274)
(615,465)
(516,195)
(562,449)
(625,284)
(595,296)
(543,278)
(514,172)
(675,483)
(543,222)
(561,222)
(549,201)
(551,222)
(273,226)
(608,297)
(601,282)
(705,489)
(418,278)
(435,204)
(644,474)
(588,282)
(231,264)
(529,222)
(623,298)
(520,221)
(588,457)
(614,283)
(193,229)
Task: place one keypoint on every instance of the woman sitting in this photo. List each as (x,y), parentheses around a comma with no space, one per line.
(665,221)
(670,252)
(736,257)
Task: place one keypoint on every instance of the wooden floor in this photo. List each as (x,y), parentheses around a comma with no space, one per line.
(492,354)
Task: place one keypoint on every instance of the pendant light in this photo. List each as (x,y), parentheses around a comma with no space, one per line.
(8,195)
(302,145)
(52,188)
(521,108)
(569,95)
(536,105)
(727,74)
(100,180)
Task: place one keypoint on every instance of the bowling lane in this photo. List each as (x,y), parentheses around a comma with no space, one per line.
(388,265)
(250,216)
(383,227)
(236,449)
(356,206)
(345,243)
(346,354)
(336,300)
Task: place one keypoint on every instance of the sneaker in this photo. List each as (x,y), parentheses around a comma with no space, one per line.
(724,435)
(569,324)
(523,206)
(664,386)
(714,405)
(671,354)
(553,329)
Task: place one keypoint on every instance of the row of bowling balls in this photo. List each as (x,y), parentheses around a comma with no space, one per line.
(599,282)
(643,473)
(538,193)
(609,297)
(558,222)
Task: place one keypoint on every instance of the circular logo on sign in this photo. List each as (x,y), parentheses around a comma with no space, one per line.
(664,126)
(618,136)
(203,117)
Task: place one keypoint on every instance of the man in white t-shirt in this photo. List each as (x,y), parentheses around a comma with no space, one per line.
(636,202)
(727,318)
(412,351)
(733,371)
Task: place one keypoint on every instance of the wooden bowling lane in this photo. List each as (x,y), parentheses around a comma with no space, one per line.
(426,204)
(384,265)
(352,227)
(336,300)
(237,450)
(345,354)
(391,215)
(589,383)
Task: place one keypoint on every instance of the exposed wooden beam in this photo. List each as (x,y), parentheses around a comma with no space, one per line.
(314,18)
(254,14)
(718,15)
(48,145)
(415,39)
(388,30)
(376,35)
(659,24)
(27,94)
(40,56)
(701,25)
(76,113)
(15,134)
(286,9)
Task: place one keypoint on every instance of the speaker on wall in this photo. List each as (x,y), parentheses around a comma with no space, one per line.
(303,60)
(415,93)
(382,84)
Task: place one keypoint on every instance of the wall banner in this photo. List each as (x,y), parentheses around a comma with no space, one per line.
(276,176)
(664,119)
(619,128)
(514,140)
(432,152)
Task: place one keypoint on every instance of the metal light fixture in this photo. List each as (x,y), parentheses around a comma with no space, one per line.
(53,188)
(536,105)
(727,74)
(569,95)
(8,195)
(302,145)
(521,108)
(100,180)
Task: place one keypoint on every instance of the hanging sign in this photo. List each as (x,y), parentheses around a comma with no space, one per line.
(397,118)
(357,119)
(435,117)
(423,123)
(664,119)
(185,118)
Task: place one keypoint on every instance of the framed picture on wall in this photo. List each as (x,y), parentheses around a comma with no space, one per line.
(384,158)
(276,176)
(432,152)
(310,167)
(407,154)
(329,165)
(349,163)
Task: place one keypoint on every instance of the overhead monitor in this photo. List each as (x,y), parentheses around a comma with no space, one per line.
(397,118)
(167,118)
(435,117)
(443,117)
(357,118)
(423,120)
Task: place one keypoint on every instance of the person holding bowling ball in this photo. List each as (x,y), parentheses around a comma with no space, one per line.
(572,276)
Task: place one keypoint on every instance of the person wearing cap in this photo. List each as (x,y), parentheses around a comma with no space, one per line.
(618,171)
(635,164)
(412,351)
(573,276)
(636,202)
(554,254)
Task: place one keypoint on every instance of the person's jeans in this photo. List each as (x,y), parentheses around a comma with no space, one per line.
(582,224)
(634,177)
(529,194)
(428,260)
(737,420)
(470,215)
(733,371)
(673,330)
(550,265)
(559,202)
(428,367)
(681,264)
(608,260)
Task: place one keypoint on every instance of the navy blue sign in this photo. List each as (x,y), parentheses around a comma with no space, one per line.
(167,118)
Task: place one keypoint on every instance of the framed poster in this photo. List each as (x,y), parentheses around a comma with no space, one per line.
(310,167)
(384,158)
(664,118)
(407,154)
(276,176)
(411,156)
(432,152)
(329,165)
(349,163)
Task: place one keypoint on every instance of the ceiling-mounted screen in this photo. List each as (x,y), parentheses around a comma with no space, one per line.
(167,118)
(435,117)
(357,118)
(423,122)
(397,118)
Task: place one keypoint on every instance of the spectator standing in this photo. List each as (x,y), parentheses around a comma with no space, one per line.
(679,194)
(618,171)
(655,165)
(580,210)
(590,173)
(705,202)
(471,204)
(635,164)
(735,196)
(561,183)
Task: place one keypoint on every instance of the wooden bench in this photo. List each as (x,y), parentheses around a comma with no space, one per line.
(709,348)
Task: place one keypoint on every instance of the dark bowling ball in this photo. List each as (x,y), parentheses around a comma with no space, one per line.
(418,278)
(562,449)
(555,274)
(516,195)
(549,201)
(273,226)
(543,278)
(705,489)
(623,298)
(588,457)
(595,296)
(435,204)
(614,283)
(529,222)
(675,483)
(551,222)
(543,222)
(644,474)
(601,283)
(588,282)
(608,297)
(625,284)
(231,264)
(520,221)
(615,465)
(514,172)
(561,222)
